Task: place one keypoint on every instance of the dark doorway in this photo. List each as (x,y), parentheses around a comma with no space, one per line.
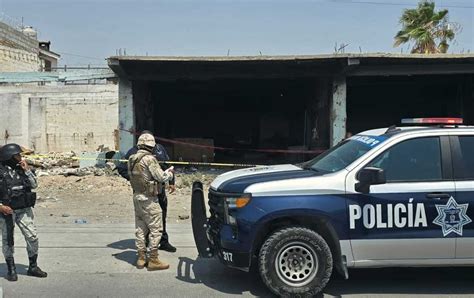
(374,102)
(242,114)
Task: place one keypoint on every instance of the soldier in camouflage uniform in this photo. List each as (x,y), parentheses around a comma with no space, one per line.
(146,176)
(16,202)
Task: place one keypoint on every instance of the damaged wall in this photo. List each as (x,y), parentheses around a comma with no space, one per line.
(59,118)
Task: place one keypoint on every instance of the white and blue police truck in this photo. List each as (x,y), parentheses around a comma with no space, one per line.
(391,197)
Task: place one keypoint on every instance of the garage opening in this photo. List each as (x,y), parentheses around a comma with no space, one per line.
(236,120)
(374,102)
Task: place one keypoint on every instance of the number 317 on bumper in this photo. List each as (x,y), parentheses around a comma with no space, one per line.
(227,256)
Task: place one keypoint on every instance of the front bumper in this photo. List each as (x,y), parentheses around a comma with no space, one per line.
(210,238)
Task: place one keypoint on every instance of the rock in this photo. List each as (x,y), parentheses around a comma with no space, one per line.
(41,174)
(66,215)
(99,172)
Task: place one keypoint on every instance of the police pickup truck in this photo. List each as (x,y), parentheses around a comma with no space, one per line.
(392,197)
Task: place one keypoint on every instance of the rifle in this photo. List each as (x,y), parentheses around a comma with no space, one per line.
(10,227)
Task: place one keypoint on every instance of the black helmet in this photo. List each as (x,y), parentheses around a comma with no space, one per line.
(8,151)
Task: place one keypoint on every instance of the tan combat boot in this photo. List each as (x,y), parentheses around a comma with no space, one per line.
(154,263)
(141,259)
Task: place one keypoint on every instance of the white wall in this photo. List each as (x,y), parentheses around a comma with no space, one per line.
(59,118)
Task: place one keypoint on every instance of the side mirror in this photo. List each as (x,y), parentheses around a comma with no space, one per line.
(369,176)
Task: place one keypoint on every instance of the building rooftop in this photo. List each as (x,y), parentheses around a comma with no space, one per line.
(221,67)
(468,56)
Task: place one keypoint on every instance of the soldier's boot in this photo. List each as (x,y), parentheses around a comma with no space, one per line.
(11,274)
(141,262)
(154,263)
(34,270)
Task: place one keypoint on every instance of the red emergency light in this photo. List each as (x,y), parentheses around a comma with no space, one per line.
(442,120)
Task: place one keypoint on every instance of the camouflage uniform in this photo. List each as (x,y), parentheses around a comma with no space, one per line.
(145,178)
(24,220)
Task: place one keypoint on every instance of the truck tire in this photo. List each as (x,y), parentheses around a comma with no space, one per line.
(295,261)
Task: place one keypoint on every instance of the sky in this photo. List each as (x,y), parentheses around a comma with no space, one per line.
(87,31)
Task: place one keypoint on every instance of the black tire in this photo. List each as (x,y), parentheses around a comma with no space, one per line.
(296,247)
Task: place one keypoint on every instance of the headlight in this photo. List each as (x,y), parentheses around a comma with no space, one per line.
(234,203)
(237,202)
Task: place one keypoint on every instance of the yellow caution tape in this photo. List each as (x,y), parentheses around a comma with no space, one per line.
(213,164)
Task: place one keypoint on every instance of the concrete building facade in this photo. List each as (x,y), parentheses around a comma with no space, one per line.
(309,103)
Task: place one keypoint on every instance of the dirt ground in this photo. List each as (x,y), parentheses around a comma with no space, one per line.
(106,199)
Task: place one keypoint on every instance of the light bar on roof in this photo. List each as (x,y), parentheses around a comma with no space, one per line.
(442,120)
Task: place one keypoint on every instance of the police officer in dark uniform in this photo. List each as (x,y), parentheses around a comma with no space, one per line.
(16,201)
(161,155)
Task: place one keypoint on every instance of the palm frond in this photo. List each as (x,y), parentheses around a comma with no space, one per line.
(428,29)
(443,47)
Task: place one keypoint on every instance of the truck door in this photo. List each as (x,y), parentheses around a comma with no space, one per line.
(396,221)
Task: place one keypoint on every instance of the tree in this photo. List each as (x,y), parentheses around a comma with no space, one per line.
(430,31)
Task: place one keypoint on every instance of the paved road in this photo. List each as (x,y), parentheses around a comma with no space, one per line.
(96,261)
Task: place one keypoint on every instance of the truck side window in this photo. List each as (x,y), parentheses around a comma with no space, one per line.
(411,160)
(467,151)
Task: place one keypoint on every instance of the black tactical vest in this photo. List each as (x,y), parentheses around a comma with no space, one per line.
(18,188)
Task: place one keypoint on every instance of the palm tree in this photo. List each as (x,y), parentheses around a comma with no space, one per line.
(429,30)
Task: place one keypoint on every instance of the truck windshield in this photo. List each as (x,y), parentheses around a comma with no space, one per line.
(343,154)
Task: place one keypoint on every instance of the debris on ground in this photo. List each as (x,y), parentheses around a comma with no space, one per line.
(108,170)
(102,196)
(99,194)
(53,160)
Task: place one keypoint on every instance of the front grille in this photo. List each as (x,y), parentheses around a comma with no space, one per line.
(216,206)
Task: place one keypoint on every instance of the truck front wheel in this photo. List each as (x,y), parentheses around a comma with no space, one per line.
(295,261)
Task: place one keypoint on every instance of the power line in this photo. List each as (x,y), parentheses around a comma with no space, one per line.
(393,3)
(75,55)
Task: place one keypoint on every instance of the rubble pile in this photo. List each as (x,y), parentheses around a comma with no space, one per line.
(68,193)
(84,184)
(67,164)
(107,170)
(53,160)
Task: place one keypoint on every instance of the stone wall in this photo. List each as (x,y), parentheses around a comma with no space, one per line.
(13,60)
(18,52)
